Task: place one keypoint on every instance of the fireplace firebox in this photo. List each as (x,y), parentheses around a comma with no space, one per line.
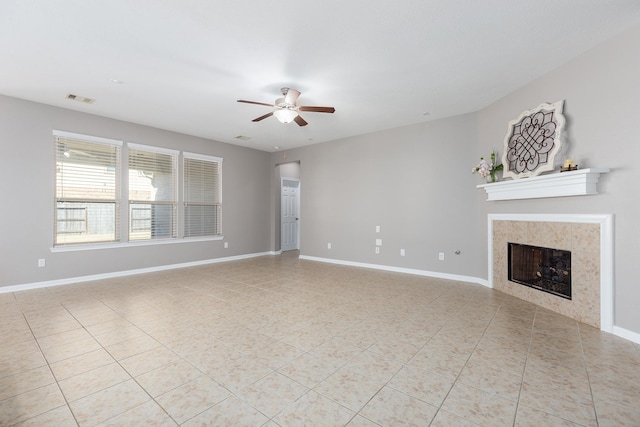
(546,269)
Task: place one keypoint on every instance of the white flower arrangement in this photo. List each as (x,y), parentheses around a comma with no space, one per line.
(486,169)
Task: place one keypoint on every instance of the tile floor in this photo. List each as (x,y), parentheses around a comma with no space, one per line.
(278,341)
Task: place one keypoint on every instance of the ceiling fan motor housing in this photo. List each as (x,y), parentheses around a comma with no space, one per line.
(281,104)
(286,108)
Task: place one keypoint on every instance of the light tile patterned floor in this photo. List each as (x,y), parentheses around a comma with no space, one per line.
(278,341)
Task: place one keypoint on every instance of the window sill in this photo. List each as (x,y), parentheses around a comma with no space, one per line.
(95,246)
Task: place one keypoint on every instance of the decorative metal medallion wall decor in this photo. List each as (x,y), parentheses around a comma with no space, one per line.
(533,140)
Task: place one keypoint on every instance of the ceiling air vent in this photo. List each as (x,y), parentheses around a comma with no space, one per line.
(80,99)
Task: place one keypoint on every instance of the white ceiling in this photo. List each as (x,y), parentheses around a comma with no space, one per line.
(380,63)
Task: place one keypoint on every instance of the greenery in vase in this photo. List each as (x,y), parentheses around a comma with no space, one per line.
(486,169)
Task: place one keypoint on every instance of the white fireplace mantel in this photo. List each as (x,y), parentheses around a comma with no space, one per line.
(575,183)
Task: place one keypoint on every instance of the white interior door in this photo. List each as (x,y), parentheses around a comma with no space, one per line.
(290,214)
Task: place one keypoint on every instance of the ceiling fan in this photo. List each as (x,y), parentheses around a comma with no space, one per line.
(286,110)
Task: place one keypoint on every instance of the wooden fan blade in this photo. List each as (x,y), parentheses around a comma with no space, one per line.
(300,121)
(317,109)
(291,97)
(254,102)
(263,117)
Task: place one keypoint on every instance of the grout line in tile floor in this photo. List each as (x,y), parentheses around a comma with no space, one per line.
(525,367)
(278,341)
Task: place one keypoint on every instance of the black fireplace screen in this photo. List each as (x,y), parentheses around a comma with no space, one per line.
(546,269)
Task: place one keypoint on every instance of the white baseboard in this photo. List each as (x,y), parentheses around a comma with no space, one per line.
(616,330)
(79,279)
(626,334)
(459,278)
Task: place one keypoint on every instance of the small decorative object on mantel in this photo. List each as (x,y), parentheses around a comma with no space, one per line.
(488,170)
(568,166)
(533,140)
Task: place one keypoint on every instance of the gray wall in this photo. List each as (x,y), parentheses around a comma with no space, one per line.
(289,170)
(602,96)
(415,181)
(27,184)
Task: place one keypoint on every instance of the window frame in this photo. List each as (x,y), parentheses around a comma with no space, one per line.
(175,154)
(122,196)
(185,203)
(117,182)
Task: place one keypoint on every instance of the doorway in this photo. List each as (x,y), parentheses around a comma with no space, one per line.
(289,214)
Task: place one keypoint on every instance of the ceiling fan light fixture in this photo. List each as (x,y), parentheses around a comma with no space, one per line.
(286,110)
(285,115)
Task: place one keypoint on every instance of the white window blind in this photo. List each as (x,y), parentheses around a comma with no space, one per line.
(87,189)
(152,193)
(202,195)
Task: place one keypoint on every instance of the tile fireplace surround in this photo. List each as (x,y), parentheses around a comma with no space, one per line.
(588,237)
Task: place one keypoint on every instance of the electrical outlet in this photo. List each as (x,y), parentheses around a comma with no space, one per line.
(378,242)
(377,249)
(226,245)
(328,245)
(377,228)
(41,262)
(402,253)
(441,256)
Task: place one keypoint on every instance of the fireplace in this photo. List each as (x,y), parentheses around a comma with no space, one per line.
(545,269)
(588,237)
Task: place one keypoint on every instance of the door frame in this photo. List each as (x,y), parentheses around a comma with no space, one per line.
(282,180)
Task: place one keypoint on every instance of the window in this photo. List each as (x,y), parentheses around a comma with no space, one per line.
(94,174)
(87,189)
(202,195)
(72,220)
(152,193)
